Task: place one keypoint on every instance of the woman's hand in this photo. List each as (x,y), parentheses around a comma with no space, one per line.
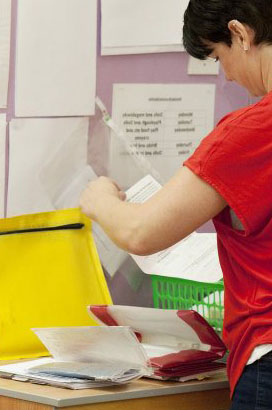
(96,193)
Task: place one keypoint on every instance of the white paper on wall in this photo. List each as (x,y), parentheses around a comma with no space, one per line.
(203,67)
(55,58)
(5,27)
(142,26)
(163,122)
(3,127)
(32,142)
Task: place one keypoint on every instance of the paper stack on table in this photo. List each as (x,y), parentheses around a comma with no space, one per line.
(132,342)
(83,357)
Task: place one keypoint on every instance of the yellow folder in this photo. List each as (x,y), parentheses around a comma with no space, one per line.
(49,273)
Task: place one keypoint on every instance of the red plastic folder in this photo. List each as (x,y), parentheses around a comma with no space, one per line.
(179,343)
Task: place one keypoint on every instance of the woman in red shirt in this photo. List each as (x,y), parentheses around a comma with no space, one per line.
(227,179)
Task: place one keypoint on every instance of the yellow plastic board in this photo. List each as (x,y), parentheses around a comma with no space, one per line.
(49,273)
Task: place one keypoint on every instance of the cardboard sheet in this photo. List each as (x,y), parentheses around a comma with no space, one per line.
(163,122)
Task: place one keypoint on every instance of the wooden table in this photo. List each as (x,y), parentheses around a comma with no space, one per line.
(144,394)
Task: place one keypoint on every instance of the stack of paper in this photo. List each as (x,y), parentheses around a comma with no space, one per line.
(83,357)
(179,344)
(132,342)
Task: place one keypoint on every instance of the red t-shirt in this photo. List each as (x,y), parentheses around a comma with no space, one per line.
(236,159)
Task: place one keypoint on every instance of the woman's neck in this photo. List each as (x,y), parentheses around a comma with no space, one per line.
(266,64)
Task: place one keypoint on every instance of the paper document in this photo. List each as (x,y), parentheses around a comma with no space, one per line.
(32,142)
(92,343)
(3,127)
(5,31)
(193,258)
(142,26)
(55,58)
(95,371)
(165,123)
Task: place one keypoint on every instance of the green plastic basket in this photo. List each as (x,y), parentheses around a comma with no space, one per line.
(205,298)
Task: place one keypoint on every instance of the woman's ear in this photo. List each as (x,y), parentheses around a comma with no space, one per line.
(241,33)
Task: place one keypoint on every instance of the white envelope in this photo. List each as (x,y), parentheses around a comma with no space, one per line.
(193,258)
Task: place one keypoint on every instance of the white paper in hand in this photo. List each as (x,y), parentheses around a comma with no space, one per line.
(193,258)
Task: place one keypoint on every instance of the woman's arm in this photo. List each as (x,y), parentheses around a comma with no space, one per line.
(184,204)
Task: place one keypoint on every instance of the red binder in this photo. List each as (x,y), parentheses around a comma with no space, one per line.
(179,343)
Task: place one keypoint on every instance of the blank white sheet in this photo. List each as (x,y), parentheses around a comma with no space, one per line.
(32,142)
(2,162)
(142,26)
(5,26)
(55,58)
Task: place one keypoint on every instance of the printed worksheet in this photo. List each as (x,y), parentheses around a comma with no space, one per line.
(193,258)
(56,58)
(163,122)
(142,26)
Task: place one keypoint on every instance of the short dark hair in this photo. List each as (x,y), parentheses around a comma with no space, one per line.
(206,21)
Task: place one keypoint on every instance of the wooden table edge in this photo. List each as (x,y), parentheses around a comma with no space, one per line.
(181,388)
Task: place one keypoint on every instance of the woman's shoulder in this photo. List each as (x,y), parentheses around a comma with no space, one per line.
(239,133)
(257,115)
